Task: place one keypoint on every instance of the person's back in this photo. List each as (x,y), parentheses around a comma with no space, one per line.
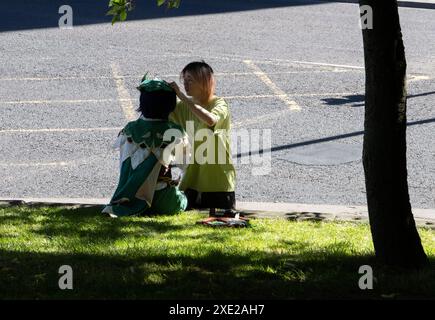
(145,183)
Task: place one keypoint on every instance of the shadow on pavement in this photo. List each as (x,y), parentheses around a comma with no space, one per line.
(331,138)
(404,4)
(35,14)
(356,99)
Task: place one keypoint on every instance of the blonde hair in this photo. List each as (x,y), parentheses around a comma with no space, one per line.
(202,73)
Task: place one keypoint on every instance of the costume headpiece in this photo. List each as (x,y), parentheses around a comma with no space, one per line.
(150,85)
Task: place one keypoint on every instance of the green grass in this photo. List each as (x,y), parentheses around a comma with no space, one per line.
(170,257)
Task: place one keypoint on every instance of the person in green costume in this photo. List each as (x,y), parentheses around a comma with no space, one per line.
(211,184)
(145,184)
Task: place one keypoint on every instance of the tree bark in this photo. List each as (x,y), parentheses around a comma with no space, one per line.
(395,237)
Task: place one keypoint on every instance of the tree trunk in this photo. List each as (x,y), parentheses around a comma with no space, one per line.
(395,237)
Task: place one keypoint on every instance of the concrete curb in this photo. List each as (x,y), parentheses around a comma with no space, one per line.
(299,211)
(291,211)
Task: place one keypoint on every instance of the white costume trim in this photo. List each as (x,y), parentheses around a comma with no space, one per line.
(170,154)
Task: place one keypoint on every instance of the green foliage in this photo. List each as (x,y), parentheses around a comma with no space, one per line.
(170,3)
(119,8)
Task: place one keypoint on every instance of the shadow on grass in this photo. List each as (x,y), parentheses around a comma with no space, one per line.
(282,270)
(88,222)
(214,275)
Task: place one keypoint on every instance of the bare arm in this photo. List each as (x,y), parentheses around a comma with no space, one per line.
(205,116)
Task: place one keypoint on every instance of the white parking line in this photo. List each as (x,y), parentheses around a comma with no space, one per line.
(330,65)
(57,101)
(255,96)
(281,94)
(123,95)
(258,119)
(129,100)
(312,67)
(126,101)
(412,78)
(56,78)
(218,74)
(332,68)
(320,94)
(47,130)
(37,164)
(284,62)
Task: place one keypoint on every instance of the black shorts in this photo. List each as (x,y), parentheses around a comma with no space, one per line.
(201,200)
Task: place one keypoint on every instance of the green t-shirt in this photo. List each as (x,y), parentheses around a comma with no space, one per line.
(220,175)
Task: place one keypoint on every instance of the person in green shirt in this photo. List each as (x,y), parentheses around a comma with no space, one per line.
(207,184)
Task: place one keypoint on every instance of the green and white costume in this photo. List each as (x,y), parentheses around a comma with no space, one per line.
(145,160)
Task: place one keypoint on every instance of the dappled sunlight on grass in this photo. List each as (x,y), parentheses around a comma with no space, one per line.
(173,257)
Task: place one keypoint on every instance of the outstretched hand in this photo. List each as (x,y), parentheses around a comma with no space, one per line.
(203,114)
(177,90)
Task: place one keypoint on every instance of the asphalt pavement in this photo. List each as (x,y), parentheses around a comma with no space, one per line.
(292,67)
